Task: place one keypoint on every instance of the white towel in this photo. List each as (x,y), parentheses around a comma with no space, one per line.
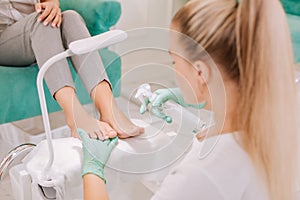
(65,171)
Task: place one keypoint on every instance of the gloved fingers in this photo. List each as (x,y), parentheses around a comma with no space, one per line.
(176,96)
(161,98)
(143,107)
(105,142)
(83,135)
(88,139)
(157,111)
(168,94)
(160,91)
(198,106)
(113,142)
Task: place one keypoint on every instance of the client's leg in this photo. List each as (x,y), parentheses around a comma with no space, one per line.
(77,117)
(27,40)
(58,80)
(91,71)
(110,112)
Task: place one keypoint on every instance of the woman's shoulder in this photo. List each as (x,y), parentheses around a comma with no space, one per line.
(218,168)
(221,158)
(222,149)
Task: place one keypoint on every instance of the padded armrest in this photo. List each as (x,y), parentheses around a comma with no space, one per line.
(99,15)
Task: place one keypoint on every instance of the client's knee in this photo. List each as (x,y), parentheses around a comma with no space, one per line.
(71,16)
(38,28)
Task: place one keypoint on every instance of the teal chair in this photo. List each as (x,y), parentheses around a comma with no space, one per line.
(19,97)
(292,8)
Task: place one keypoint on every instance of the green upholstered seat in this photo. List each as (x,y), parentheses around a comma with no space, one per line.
(292,8)
(294,25)
(18,92)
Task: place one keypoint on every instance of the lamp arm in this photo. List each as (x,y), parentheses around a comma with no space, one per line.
(43,104)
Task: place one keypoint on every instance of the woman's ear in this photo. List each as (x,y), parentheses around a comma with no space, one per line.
(203,71)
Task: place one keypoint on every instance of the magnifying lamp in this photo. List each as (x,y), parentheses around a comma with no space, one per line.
(78,47)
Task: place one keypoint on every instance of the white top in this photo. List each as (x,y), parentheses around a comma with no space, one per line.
(227,173)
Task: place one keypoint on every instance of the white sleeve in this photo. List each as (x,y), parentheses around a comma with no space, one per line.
(188,182)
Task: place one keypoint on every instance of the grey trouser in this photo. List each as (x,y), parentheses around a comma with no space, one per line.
(27,41)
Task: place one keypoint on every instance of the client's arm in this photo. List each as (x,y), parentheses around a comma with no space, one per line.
(50,12)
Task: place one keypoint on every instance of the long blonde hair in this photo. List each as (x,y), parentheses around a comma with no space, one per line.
(250,40)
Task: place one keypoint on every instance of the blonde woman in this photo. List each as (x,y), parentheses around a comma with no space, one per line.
(34,31)
(256,155)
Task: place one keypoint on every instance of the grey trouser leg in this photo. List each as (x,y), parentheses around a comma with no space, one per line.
(28,40)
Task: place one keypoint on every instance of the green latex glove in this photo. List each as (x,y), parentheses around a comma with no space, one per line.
(95,154)
(164,95)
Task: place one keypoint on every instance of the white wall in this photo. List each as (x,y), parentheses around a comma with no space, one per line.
(141,13)
(134,14)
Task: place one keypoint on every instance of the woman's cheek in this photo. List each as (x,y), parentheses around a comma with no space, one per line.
(186,85)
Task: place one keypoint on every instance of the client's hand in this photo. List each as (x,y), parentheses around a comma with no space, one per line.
(95,154)
(50,12)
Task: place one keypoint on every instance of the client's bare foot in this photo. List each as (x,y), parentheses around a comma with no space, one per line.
(95,128)
(77,117)
(110,113)
(116,118)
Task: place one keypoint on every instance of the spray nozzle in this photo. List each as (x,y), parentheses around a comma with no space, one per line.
(145,96)
(143,92)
